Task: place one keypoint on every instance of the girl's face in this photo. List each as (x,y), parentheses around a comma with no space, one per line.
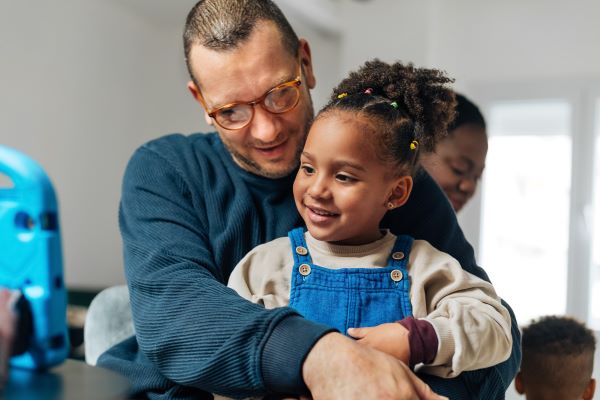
(342,189)
(458,162)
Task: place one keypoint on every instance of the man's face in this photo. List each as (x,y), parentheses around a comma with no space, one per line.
(270,144)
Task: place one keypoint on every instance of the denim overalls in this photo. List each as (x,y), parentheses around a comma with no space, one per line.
(350,297)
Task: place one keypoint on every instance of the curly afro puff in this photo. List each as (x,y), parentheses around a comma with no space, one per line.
(401,103)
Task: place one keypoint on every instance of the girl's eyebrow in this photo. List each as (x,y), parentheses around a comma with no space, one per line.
(338,164)
(342,163)
(308,155)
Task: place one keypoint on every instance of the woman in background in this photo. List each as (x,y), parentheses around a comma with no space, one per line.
(458,160)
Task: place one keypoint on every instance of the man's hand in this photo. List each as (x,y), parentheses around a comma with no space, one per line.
(391,338)
(8,326)
(339,368)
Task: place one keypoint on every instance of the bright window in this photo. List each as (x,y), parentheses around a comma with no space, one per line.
(594,311)
(525,205)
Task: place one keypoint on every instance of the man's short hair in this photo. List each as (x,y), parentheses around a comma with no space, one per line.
(558,354)
(225,24)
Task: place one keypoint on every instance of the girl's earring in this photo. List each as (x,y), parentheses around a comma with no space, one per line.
(390,205)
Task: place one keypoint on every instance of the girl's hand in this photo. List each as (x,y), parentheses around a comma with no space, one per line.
(391,338)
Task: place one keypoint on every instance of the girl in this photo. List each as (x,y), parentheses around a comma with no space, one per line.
(394,293)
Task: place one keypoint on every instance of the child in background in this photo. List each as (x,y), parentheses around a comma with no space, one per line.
(558,360)
(394,293)
(458,160)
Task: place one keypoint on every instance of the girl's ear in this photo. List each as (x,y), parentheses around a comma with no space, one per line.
(588,394)
(401,191)
(519,383)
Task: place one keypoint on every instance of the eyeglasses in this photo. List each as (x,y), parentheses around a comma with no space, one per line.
(280,99)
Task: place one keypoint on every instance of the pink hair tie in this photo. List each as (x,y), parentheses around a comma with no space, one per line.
(368,91)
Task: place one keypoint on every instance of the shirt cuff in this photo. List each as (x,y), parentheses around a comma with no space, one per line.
(422,340)
(285,351)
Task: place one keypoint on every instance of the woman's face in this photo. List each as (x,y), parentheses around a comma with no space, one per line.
(457,163)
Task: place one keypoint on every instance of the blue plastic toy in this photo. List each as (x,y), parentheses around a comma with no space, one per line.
(31,256)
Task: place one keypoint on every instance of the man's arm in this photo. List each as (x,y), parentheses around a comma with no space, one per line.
(189,325)
(332,366)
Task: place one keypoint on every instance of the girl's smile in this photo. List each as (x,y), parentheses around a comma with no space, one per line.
(342,189)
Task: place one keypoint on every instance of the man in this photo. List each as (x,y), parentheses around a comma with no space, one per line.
(193,206)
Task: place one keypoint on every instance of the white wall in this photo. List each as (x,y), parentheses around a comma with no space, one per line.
(478,43)
(386,29)
(499,40)
(84,83)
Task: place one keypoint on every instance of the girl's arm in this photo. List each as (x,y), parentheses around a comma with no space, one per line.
(473,328)
(263,275)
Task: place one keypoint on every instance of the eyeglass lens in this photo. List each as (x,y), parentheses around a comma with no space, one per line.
(277,101)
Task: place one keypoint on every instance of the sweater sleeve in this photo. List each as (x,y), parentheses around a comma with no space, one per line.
(191,327)
(428,215)
(472,326)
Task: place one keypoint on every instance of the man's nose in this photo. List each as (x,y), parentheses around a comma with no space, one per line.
(265,125)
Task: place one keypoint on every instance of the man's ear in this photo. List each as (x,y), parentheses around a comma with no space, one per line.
(306,60)
(401,191)
(198,97)
(588,394)
(519,383)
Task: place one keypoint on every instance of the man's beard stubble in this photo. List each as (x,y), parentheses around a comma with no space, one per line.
(253,167)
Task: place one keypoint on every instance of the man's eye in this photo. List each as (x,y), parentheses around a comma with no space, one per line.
(234,114)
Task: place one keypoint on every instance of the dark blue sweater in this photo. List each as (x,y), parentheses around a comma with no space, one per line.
(188,214)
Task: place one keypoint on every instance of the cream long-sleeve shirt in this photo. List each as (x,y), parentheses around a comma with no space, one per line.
(472,326)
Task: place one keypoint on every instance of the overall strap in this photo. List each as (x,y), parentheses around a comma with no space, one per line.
(398,260)
(299,248)
(400,252)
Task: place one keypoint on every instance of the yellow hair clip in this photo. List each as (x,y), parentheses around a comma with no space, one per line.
(414,144)
(342,95)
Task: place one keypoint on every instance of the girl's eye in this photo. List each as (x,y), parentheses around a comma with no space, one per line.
(344,178)
(308,170)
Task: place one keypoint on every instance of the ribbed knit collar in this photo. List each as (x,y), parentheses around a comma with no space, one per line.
(349,251)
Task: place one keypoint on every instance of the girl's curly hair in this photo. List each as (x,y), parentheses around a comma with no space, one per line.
(401,103)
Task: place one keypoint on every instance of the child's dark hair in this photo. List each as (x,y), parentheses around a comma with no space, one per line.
(408,108)
(558,352)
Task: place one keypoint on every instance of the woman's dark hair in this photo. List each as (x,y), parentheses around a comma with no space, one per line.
(400,104)
(466,113)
